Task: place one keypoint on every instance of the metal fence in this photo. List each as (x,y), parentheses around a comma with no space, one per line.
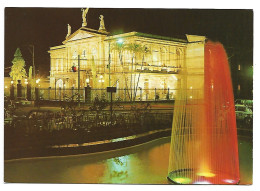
(89,94)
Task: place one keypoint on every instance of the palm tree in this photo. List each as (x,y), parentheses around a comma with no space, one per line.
(120,47)
(134,49)
(144,51)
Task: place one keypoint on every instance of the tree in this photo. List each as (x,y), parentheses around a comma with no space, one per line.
(17,70)
(134,49)
(144,50)
(120,47)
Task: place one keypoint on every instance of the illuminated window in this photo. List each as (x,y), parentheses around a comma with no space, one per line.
(84,53)
(163,56)
(146,85)
(57,65)
(155,57)
(239,67)
(61,66)
(238,87)
(94,51)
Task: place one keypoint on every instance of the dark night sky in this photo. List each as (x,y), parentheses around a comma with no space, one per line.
(47,27)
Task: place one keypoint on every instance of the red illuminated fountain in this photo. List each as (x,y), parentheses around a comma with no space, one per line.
(204,146)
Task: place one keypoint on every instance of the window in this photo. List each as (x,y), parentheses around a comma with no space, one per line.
(83,53)
(146,85)
(163,58)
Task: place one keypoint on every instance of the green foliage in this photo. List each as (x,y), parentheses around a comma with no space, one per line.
(99,104)
(18,71)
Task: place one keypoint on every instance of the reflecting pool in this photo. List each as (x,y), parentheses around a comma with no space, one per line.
(142,164)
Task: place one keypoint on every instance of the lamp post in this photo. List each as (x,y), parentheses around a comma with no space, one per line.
(37,93)
(87,81)
(64,89)
(26,84)
(79,80)
(87,92)
(12,90)
(60,92)
(109,61)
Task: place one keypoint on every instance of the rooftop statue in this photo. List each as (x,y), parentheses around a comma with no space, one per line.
(69,31)
(102,23)
(84,14)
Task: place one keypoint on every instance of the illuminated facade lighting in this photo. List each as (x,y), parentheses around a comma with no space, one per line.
(163,59)
(120,41)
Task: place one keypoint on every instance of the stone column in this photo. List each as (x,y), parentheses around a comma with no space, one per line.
(19,90)
(29,93)
(88,94)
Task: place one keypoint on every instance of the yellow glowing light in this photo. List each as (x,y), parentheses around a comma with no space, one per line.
(175,78)
(120,41)
(206,174)
(12,82)
(182,180)
(5,86)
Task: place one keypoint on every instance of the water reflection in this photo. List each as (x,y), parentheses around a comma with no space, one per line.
(143,164)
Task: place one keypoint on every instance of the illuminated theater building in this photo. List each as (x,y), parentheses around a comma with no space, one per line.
(102,64)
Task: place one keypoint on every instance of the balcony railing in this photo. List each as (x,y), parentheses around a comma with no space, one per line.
(157,69)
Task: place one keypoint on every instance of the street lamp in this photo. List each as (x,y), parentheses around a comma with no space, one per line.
(120,41)
(87,81)
(101,80)
(37,82)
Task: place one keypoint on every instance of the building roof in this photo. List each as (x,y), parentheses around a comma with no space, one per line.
(84,32)
(152,36)
(89,31)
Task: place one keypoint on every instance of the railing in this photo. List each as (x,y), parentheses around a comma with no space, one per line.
(88,95)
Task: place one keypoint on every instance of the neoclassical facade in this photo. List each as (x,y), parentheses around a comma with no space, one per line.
(134,61)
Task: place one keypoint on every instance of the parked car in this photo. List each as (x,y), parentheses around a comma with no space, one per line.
(243,113)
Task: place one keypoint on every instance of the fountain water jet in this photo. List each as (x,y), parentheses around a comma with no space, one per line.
(204,146)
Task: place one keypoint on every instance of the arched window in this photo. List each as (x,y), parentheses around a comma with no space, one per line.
(59,83)
(155,57)
(84,54)
(57,65)
(74,58)
(179,57)
(163,56)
